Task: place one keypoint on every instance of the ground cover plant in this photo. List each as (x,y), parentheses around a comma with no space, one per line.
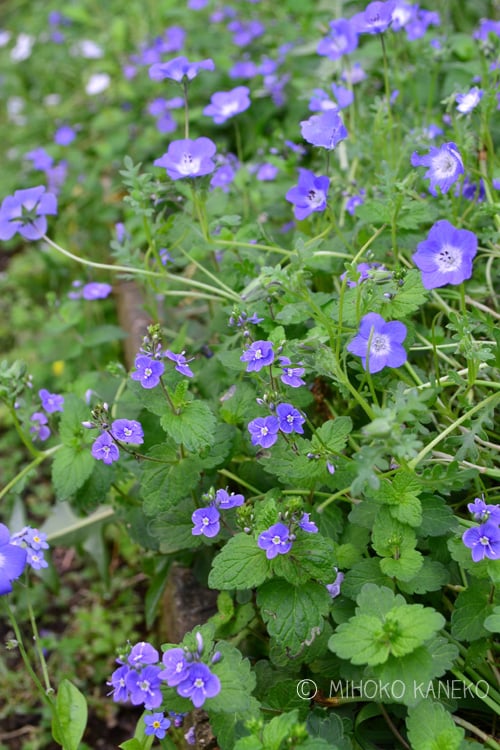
(306,200)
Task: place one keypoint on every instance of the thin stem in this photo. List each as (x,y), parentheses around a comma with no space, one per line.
(38,649)
(333,497)
(38,460)
(240,481)
(488,741)
(392,726)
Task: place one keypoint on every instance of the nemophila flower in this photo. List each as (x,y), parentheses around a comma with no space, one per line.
(307,525)
(471,191)
(275,540)
(225,501)
(223,177)
(118,682)
(432,131)
(342,39)
(292,374)
(402,14)
(226,104)
(96,290)
(40,159)
(379,344)
(486,27)
(375,18)
(483,512)
(320,101)
(128,431)
(148,371)
(264,431)
(309,195)
(156,725)
(325,130)
(267,172)
(12,560)
(187,158)
(199,684)
(469,101)
(144,686)
(105,449)
(142,653)
(39,427)
(25,212)
(258,355)
(353,75)
(344,96)
(417,27)
(445,166)
(64,135)
(51,402)
(206,522)
(483,541)
(179,68)
(35,559)
(181,363)
(334,588)
(245,31)
(289,418)
(445,257)
(176,666)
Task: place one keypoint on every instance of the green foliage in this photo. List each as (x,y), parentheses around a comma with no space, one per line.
(430,727)
(240,565)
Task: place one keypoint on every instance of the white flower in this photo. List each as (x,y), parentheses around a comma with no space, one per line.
(22,50)
(97,83)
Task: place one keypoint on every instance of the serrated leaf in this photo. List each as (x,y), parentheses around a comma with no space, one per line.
(431,577)
(413,625)
(311,557)
(401,495)
(193,427)
(217,453)
(390,537)
(377,600)
(472,607)
(361,641)
(374,212)
(163,484)
(237,682)
(279,729)
(174,528)
(407,298)
(294,615)
(241,564)
(70,716)
(71,429)
(431,727)
(72,466)
(437,517)
(361,573)
(404,567)
(333,434)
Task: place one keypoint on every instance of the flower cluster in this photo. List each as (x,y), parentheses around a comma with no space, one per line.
(51,403)
(192,678)
(278,538)
(483,540)
(264,430)
(206,520)
(23,548)
(105,447)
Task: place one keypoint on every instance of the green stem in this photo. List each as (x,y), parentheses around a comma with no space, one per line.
(39,651)
(488,741)
(428,448)
(38,460)
(485,698)
(238,480)
(333,497)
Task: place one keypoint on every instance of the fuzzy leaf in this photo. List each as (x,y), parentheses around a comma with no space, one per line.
(241,564)
(193,427)
(404,567)
(237,682)
(163,484)
(472,607)
(71,711)
(431,727)
(333,434)
(72,466)
(312,556)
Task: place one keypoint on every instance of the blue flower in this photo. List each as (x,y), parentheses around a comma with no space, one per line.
(326,130)
(176,666)
(445,166)
(309,195)
(12,560)
(226,501)
(291,373)
(181,363)
(446,256)
(306,525)
(179,68)
(264,431)
(199,684)
(290,419)
(483,541)
(341,40)
(206,522)
(105,449)
(226,104)
(148,371)
(258,355)
(375,18)
(128,431)
(156,725)
(118,682)
(188,158)
(275,540)
(25,212)
(51,402)
(379,344)
(144,686)
(482,512)
(142,653)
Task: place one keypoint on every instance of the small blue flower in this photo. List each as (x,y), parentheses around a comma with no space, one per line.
(446,256)
(156,725)
(309,195)
(142,653)
(199,685)
(326,130)
(12,560)
(181,363)
(144,686)
(51,402)
(225,501)
(128,431)
(206,522)
(105,449)
(290,419)
(445,166)
(379,344)
(258,355)
(483,541)
(291,373)
(148,371)
(482,512)
(264,431)
(306,525)
(118,682)
(275,540)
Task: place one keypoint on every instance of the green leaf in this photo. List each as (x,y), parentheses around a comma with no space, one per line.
(70,716)
(492,622)
(71,429)
(431,577)
(163,484)
(333,435)
(240,565)
(313,556)
(72,466)
(404,567)
(174,528)
(228,727)
(377,600)
(411,625)
(216,454)
(390,537)
(408,297)
(132,744)
(401,495)
(431,727)
(102,335)
(294,615)
(437,517)
(279,729)
(375,212)
(361,641)
(193,427)
(472,607)
(237,682)
(365,571)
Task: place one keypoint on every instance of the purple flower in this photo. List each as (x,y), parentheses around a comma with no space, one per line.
(144,687)
(25,212)
(482,512)
(267,172)
(148,372)
(275,541)
(309,195)
(187,158)
(375,19)
(226,501)
(39,428)
(445,166)
(469,101)
(156,725)
(245,31)
(341,40)
(445,257)
(226,104)
(176,667)
(40,159)
(36,559)
(326,130)
(306,525)
(334,588)
(105,449)
(379,344)
(483,541)
(291,374)
(51,402)
(96,290)
(206,522)
(264,431)
(258,355)
(364,269)
(64,135)
(118,682)
(223,177)
(181,363)
(34,538)
(142,653)
(179,68)
(12,560)
(354,201)
(128,431)
(199,685)
(290,419)
(344,96)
